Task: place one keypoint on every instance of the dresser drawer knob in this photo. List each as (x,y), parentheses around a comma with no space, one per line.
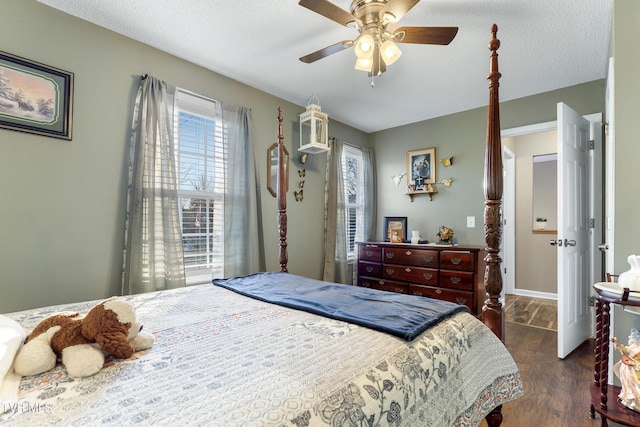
(427,276)
(399,290)
(369,253)
(381,282)
(455,280)
(408,253)
(369,269)
(428,258)
(389,255)
(456,261)
(461,301)
(438,291)
(390,271)
(408,270)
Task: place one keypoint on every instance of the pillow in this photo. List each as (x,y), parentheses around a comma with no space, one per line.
(11,337)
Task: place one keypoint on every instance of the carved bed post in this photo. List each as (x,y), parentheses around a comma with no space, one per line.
(281,197)
(492,311)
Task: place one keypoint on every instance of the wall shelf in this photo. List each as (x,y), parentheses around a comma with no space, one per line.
(411,194)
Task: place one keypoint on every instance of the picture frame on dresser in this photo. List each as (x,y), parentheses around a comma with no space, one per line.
(35,98)
(395,229)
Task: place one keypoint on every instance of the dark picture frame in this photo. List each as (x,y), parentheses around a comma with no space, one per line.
(35,98)
(421,169)
(392,223)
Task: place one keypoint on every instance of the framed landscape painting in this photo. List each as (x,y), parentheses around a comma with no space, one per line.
(35,98)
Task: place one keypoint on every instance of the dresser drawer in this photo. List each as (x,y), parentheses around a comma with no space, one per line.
(409,256)
(370,253)
(384,285)
(454,260)
(456,280)
(427,276)
(371,269)
(459,297)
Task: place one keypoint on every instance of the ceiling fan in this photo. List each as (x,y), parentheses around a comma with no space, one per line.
(376,21)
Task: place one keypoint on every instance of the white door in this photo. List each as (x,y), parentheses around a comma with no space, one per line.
(573,230)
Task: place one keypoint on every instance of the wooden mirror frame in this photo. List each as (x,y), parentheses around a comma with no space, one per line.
(272,169)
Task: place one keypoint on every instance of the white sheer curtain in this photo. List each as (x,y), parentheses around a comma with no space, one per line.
(335,253)
(153,256)
(244,245)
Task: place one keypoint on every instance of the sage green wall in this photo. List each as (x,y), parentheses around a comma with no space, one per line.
(626,53)
(62,212)
(463,136)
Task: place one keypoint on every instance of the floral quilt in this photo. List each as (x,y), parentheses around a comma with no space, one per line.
(222,359)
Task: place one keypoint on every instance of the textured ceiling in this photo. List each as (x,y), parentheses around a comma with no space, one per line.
(545,45)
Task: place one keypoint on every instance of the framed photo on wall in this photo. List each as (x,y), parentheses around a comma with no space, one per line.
(35,98)
(421,168)
(395,229)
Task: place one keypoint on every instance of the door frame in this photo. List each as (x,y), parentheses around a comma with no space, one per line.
(509,237)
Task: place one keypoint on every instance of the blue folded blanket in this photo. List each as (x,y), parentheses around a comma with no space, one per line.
(405,316)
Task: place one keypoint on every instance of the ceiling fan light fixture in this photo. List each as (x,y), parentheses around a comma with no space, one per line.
(390,52)
(388,18)
(364,46)
(364,64)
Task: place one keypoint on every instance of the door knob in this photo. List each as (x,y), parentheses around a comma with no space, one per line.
(555,242)
(569,242)
(603,247)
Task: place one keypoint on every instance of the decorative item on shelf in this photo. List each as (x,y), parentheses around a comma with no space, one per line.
(430,190)
(314,132)
(541,223)
(628,370)
(447,162)
(415,237)
(445,235)
(631,278)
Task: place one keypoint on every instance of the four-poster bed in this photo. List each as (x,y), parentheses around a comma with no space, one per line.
(346,355)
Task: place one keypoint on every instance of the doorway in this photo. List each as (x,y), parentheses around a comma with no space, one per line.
(572,283)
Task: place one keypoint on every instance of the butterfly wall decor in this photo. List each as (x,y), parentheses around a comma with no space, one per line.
(302,173)
(298,195)
(447,162)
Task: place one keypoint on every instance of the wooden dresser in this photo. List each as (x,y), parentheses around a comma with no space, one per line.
(451,273)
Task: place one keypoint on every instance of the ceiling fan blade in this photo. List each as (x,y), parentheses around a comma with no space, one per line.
(425,35)
(328,10)
(329,50)
(398,8)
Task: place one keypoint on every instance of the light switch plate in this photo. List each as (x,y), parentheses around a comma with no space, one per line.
(471,222)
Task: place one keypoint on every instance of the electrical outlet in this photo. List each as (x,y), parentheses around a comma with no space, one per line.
(471,222)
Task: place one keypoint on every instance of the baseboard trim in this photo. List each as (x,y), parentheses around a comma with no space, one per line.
(536,294)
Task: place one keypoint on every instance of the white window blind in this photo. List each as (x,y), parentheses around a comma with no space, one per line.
(201,164)
(353,175)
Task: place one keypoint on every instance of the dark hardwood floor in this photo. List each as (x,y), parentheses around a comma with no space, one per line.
(556,391)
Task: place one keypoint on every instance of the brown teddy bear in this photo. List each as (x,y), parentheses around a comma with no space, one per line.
(81,342)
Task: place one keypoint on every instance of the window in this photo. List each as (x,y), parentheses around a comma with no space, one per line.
(353,175)
(201,164)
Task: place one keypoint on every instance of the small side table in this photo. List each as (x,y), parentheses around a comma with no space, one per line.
(604,397)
